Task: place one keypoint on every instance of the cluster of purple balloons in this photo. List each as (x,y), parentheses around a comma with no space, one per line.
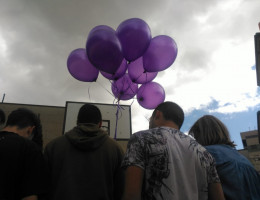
(128,56)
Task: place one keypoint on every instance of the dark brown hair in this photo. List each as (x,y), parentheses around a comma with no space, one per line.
(209,130)
(171,111)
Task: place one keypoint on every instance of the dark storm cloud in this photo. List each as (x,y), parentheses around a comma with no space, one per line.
(39,35)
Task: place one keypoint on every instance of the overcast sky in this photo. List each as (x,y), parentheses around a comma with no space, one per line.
(213,73)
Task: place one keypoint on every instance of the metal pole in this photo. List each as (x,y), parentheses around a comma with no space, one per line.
(258,125)
(3,98)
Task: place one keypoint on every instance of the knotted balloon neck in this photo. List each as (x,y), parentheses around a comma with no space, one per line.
(141,99)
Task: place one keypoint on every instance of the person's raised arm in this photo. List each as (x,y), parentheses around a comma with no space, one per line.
(133,183)
(216,192)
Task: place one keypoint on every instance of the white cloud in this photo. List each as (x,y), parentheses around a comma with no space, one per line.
(214,38)
(3,47)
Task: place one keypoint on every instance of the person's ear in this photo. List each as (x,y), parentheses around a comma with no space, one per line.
(30,132)
(30,129)
(158,114)
(100,124)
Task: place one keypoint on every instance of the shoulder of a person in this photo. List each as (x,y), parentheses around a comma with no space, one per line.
(142,135)
(28,143)
(219,147)
(112,142)
(143,132)
(8,134)
(58,140)
(113,145)
(32,148)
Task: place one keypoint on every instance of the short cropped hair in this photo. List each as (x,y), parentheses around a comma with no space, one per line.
(89,113)
(2,117)
(37,133)
(171,111)
(209,130)
(22,118)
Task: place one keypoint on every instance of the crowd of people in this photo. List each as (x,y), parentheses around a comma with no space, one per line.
(160,163)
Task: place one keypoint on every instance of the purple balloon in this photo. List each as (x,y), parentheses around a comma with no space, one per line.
(135,36)
(119,73)
(100,27)
(137,72)
(80,67)
(104,49)
(150,95)
(160,54)
(124,88)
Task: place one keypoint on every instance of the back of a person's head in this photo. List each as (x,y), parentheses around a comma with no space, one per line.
(209,130)
(21,118)
(172,112)
(37,133)
(2,117)
(89,113)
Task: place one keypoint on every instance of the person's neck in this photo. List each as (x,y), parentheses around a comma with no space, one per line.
(12,129)
(170,124)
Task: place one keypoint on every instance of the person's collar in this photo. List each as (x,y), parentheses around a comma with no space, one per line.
(88,127)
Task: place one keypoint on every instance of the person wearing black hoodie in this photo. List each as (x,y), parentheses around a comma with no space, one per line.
(85,163)
(22,164)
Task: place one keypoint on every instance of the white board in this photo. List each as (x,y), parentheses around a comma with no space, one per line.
(109,112)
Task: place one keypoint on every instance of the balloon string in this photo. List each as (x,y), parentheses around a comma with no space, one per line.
(139,76)
(105,88)
(143,89)
(146,75)
(89,94)
(129,87)
(125,89)
(117,111)
(132,102)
